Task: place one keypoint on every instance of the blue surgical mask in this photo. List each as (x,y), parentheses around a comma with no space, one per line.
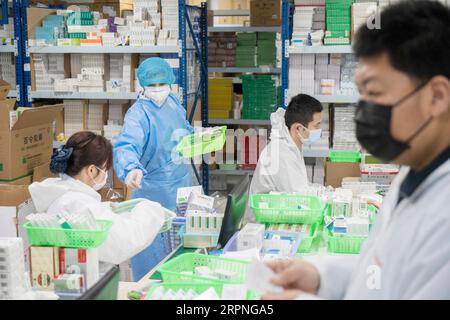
(314,136)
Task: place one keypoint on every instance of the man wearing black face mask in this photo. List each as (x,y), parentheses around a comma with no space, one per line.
(404,118)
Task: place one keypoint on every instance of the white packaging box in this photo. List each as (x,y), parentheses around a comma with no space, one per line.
(80,261)
(251,236)
(12,268)
(308,59)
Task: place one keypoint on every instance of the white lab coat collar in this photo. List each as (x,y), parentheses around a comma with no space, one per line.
(46,192)
(280,131)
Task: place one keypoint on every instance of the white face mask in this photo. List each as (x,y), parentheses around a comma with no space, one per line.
(314,136)
(100,185)
(158,95)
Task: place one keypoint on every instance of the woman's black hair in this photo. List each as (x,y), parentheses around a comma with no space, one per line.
(81,150)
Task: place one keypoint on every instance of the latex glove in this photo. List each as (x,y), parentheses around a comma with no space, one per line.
(134,179)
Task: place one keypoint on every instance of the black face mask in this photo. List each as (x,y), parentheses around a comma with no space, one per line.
(373,129)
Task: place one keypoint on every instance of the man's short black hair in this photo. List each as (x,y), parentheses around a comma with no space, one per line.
(301,110)
(416,36)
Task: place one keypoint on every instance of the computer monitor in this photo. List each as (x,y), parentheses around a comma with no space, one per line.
(235,210)
(106,288)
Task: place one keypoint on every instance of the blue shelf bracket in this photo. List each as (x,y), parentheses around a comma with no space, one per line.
(285,36)
(204,103)
(18,49)
(200,44)
(4,12)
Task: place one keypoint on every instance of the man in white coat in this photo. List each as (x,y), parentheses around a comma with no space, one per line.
(404,118)
(281,166)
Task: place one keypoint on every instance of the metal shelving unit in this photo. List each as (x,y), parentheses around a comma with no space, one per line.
(5,8)
(7,48)
(337,98)
(267,70)
(243,122)
(231,13)
(197,29)
(244,29)
(104,49)
(307,153)
(293,50)
(194,25)
(19,54)
(319,49)
(84,95)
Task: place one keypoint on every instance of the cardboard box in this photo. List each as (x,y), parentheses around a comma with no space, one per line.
(44,267)
(12,199)
(43,172)
(5,87)
(265,13)
(29,143)
(210,18)
(26,180)
(119,7)
(336,171)
(35,17)
(117,184)
(80,261)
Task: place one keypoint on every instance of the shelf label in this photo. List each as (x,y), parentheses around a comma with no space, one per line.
(286,48)
(16,48)
(180,48)
(26,67)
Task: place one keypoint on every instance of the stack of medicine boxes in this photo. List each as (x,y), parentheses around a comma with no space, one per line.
(338,14)
(267,50)
(12,268)
(246,50)
(220,98)
(203,224)
(260,96)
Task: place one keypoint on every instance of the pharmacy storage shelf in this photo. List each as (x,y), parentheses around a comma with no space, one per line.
(104,49)
(84,95)
(7,48)
(231,172)
(319,49)
(267,70)
(306,154)
(242,122)
(244,29)
(316,153)
(234,13)
(337,98)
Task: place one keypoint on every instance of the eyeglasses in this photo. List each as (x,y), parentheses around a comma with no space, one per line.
(104,171)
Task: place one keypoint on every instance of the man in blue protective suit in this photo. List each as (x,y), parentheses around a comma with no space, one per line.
(144,156)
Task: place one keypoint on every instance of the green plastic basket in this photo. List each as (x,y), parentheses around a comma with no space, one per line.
(345,244)
(127,206)
(68,238)
(194,145)
(345,156)
(307,241)
(171,271)
(285,208)
(199,288)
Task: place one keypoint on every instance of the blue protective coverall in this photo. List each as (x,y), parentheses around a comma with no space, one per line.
(148,142)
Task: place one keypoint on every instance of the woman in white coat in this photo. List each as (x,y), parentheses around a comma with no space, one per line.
(83,165)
